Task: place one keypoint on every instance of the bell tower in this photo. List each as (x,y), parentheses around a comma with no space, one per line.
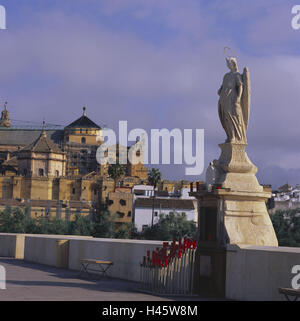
(4,121)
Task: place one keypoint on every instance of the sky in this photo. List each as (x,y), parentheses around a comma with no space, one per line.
(157,64)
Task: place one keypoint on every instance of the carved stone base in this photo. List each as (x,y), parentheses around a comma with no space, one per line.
(239,207)
(235,170)
(246,219)
(241,218)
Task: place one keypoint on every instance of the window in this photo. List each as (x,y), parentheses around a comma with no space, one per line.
(25,171)
(120,214)
(41,172)
(73,191)
(57,173)
(155,213)
(122,202)
(95,192)
(83,140)
(129,214)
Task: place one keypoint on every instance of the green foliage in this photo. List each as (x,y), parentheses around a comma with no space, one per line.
(16,221)
(116,171)
(154,177)
(103,222)
(101,225)
(125,231)
(53,226)
(82,225)
(169,227)
(12,221)
(287,227)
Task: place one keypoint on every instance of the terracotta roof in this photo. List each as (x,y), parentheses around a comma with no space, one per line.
(165,203)
(43,145)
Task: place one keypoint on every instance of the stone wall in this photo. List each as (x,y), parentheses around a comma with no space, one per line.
(252,272)
(12,245)
(125,254)
(256,272)
(66,251)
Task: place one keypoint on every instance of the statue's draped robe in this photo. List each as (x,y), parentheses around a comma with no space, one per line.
(230,109)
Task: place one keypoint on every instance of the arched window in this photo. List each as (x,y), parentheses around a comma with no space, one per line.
(41,172)
(83,140)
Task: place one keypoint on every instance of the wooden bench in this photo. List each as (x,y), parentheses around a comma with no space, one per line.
(290,293)
(103,266)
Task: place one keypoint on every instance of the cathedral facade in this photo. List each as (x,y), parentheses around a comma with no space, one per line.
(57,169)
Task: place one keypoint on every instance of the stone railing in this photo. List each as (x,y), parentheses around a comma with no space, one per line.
(252,272)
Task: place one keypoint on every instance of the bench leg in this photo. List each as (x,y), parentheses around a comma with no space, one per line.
(103,270)
(288,298)
(84,270)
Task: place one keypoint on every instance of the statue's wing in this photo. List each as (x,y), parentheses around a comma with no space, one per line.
(246,96)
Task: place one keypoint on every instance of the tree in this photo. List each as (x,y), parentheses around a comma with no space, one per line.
(12,221)
(103,225)
(169,227)
(154,178)
(116,171)
(53,226)
(287,227)
(82,225)
(124,231)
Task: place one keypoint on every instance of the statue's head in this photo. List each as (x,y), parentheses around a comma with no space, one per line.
(232,64)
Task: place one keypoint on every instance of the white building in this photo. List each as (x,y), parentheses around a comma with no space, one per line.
(142,191)
(162,206)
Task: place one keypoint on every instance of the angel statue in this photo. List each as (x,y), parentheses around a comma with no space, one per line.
(234,103)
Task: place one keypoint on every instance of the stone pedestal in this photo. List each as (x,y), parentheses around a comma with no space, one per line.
(235,170)
(236,200)
(232,210)
(245,218)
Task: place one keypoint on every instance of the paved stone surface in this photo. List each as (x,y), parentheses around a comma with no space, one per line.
(34,282)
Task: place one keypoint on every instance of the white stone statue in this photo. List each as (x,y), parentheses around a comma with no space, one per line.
(234,103)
